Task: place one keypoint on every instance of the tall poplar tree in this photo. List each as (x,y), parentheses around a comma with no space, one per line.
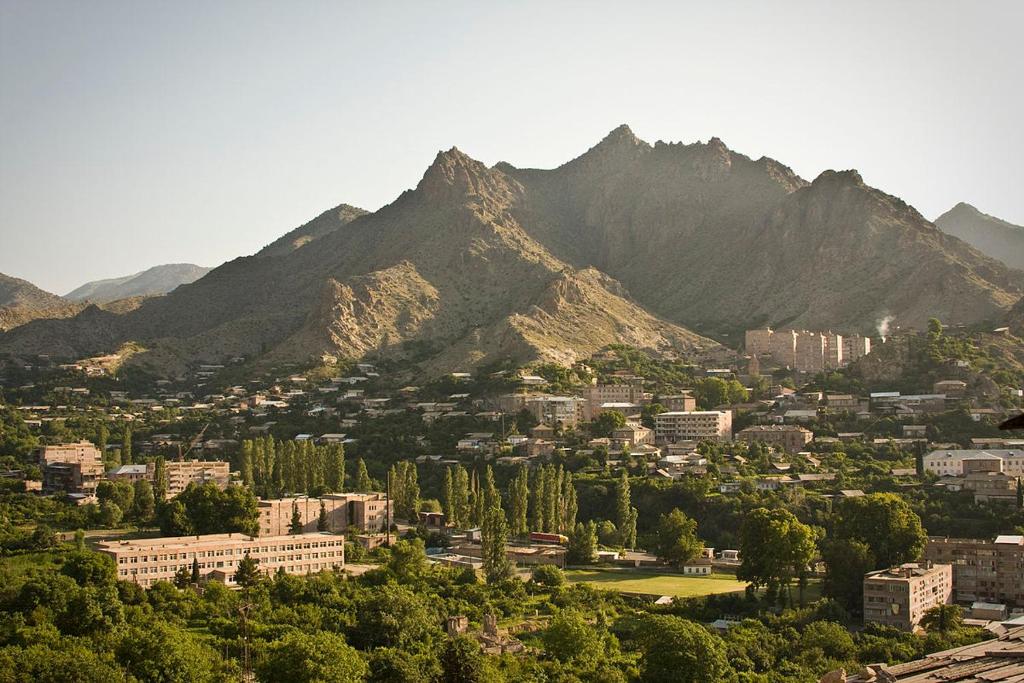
(625,513)
(520,501)
(363,482)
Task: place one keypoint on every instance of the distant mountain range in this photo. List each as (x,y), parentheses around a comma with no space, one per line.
(987,234)
(630,242)
(150,282)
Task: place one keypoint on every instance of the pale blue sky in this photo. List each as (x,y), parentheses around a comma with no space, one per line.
(137,133)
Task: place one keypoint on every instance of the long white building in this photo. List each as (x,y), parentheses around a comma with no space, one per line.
(957,462)
(148,560)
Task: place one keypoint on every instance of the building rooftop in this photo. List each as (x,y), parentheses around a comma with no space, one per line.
(1001,659)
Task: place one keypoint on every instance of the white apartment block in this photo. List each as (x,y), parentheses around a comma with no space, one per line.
(955,463)
(146,561)
(697,425)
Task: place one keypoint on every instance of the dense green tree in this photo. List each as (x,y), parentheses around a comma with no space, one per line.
(311,658)
(943,619)
(886,523)
(393,616)
(408,560)
(143,503)
(248,573)
(210,510)
(548,575)
(776,547)
(604,424)
(828,637)
(462,661)
(90,569)
(846,563)
(675,539)
(156,651)
(570,639)
(582,547)
(676,650)
(172,518)
(120,492)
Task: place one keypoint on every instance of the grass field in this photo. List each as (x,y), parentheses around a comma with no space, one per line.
(654,583)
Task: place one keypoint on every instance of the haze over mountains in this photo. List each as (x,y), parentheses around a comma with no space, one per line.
(630,242)
(150,282)
(987,234)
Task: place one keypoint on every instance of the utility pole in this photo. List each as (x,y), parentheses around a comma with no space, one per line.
(387,510)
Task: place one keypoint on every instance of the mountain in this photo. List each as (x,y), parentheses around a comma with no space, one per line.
(21,302)
(709,238)
(987,234)
(150,282)
(324,224)
(630,242)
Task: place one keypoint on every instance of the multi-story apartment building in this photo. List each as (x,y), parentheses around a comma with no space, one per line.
(834,351)
(554,410)
(854,347)
(956,462)
(790,438)
(811,352)
(181,473)
(684,402)
(900,596)
(986,571)
(148,560)
(806,351)
(697,425)
(364,511)
(71,467)
(610,393)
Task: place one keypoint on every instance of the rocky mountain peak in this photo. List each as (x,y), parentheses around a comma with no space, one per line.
(831,177)
(456,175)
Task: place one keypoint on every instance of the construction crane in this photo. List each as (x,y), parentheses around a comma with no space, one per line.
(192,444)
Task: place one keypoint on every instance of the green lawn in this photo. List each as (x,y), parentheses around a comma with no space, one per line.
(655,583)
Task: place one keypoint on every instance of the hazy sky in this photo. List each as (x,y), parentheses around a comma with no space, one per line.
(137,133)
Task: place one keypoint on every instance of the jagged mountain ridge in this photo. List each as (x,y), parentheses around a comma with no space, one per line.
(481,263)
(443,265)
(154,281)
(990,235)
(716,241)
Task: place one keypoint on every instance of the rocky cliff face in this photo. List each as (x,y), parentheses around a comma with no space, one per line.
(988,234)
(627,243)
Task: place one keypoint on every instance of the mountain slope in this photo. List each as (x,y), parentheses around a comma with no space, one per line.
(987,234)
(324,224)
(150,282)
(630,242)
(22,302)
